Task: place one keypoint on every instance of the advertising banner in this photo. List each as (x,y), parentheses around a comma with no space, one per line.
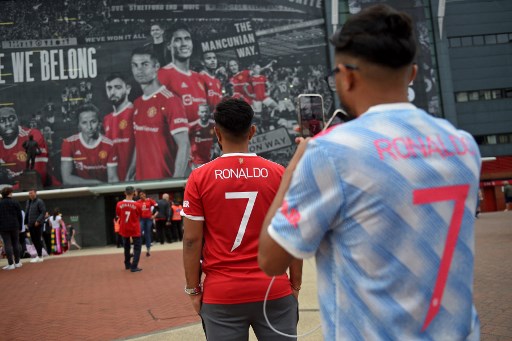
(114,90)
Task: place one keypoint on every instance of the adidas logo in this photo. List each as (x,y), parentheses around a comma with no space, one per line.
(78,152)
(184,85)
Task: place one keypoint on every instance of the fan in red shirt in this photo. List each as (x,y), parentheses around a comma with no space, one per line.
(162,146)
(129,213)
(118,125)
(148,207)
(247,184)
(201,137)
(12,154)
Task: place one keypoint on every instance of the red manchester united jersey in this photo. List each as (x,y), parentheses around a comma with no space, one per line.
(89,162)
(129,213)
(13,157)
(118,127)
(232,194)
(147,207)
(239,82)
(156,118)
(201,141)
(189,86)
(213,90)
(259,87)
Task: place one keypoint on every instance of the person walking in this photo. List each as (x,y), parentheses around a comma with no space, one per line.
(35,210)
(388,216)
(129,212)
(232,296)
(59,242)
(10,226)
(176,222)
(148,205)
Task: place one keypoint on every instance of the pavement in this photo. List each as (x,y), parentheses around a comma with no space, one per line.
(87,295)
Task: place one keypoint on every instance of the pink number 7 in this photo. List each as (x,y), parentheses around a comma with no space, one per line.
(458,194)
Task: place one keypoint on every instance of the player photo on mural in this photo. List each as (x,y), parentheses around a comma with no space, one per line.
(118,91)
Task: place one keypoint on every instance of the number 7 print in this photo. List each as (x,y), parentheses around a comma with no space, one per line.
(457,193)
(247,213)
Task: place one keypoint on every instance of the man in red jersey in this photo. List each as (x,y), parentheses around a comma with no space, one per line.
(259,87)
(239,80)
(148,207)
(118,125)
(129,213)
(201,137)
(88,158)
(212,83)
(177,76)
(232,296)
(162,146)
(12,154)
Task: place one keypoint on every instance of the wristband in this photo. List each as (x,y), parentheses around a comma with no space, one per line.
(193,291)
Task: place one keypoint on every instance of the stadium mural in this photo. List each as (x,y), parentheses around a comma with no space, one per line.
(116,90)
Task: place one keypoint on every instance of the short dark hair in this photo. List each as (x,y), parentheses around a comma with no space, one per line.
(234,115)
(145,50)
(129,190)
(87,107)
(380,35)
(6,191)
(179,26)
(115,75)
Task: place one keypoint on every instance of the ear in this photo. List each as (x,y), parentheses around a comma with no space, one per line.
(346,79)
(414,72)
(252,131)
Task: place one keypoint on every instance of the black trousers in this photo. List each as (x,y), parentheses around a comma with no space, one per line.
(35,236)
(137,246)
(23,245)
(11,241)
(31,160)
(47,237)
(177,232)
(160,231)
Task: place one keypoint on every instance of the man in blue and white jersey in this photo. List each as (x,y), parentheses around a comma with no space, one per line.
(385,202)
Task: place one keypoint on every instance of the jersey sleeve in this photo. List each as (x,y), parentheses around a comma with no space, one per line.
(66,153)
(192,204)
(310,205)
(176,116)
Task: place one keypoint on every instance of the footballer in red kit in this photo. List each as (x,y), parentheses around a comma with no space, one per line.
(89,162)
(88,157)
(213,84)
(189,86)
(12,154)
(158,117)
(201,137)
(118,125)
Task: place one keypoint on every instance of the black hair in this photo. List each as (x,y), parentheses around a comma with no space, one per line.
(6,191)
(115,75)
(234,115)
(378,34)
(145,50)
(129,190)
(179,26)
(56,212)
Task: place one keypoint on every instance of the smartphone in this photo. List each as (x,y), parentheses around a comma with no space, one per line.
(310,109)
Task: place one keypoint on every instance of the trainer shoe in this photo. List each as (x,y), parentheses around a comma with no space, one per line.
(8,267)
(136,270)
(36,260)
(18,265)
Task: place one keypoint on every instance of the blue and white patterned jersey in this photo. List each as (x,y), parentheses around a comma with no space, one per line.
(386,203)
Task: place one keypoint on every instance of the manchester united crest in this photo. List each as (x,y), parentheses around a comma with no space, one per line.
(123,124)
(103,154)
(21,156)
(152,112)
(240,160)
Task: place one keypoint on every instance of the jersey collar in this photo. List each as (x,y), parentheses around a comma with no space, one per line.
(238,154)
(391,107)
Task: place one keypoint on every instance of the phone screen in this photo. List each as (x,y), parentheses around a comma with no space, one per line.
(311,114)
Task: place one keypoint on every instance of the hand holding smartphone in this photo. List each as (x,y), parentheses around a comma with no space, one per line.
(310,109)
